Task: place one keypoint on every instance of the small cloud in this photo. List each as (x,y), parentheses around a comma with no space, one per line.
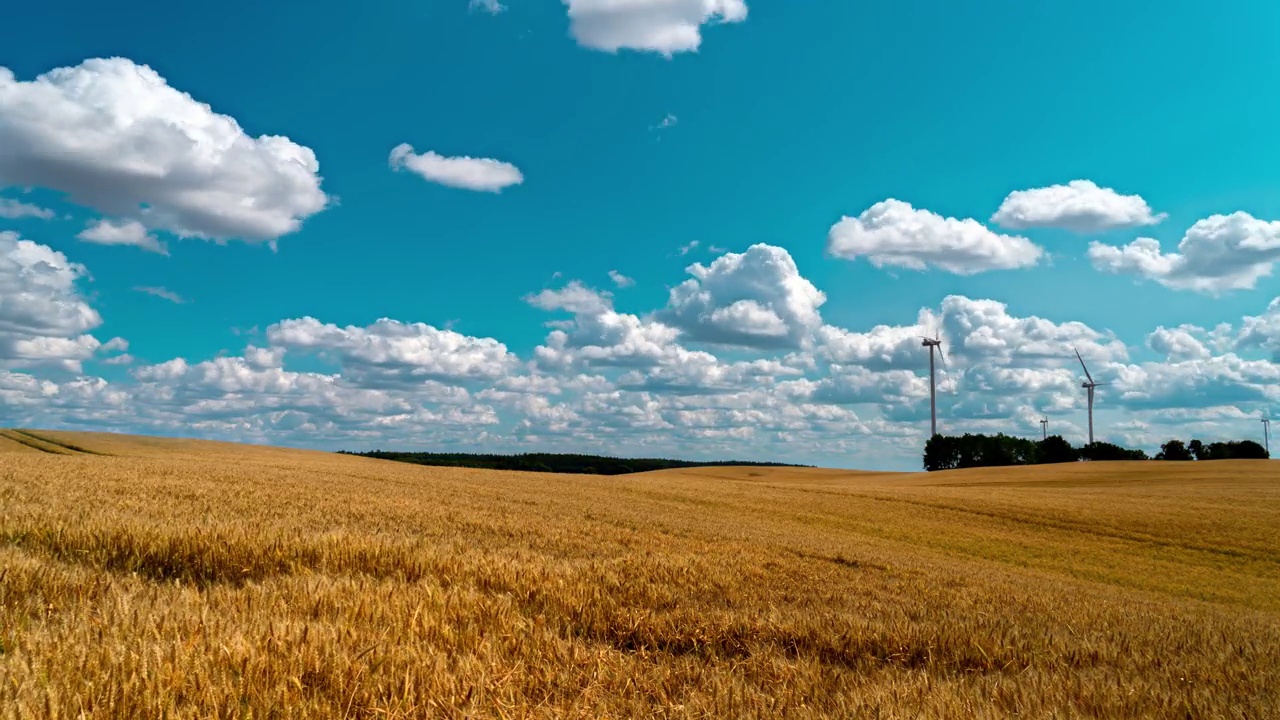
(12,210)
(686,249)
(669,121)
(493,7)
(717,250)
(621,280)
(467,173)
(122,232)
(161,293)
(665,27)
(125,359)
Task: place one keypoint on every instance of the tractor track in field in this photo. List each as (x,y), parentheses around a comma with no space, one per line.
(44,444)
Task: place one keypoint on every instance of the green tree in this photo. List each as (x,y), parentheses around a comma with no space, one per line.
(941,453)
(1174,450)
(1104,451)
(1055,449)
(1235,450)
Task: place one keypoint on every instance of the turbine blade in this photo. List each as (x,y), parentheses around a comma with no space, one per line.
(1086,367)
(942,355)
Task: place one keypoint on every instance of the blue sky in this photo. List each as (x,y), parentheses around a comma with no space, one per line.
(614,140)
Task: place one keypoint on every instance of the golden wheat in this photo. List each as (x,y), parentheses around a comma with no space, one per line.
(161,578)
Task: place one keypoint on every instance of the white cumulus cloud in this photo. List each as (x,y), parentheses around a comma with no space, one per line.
(661,26)
(985,330)
(1262,331)
(43,317)
(116,137)
(1180,343)
(1080,206)
(1217,254)
(390,352)
(467,173)
(757,298)
(893,233)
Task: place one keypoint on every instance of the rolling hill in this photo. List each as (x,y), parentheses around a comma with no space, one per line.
(147,577)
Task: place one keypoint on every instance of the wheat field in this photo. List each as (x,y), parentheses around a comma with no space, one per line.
(151,578)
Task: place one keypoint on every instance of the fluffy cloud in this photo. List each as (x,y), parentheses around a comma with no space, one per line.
(753,299)
(973,332)
(1179,344)
(882,347)
(390,353)
(13,210)
(1217,254)
(43,317)
(575,298)
(661,26)
(251,397)
(1051,388)
(122,232)
(1202,383)
(467,173)
(1080,206)
(855,385)
(893,233)
(1262,331)
(116,137)
(983,330)
(598,335)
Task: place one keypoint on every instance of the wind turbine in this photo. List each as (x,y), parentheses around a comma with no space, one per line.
(1044,428)
(1089,385)
(932,343)
(1266,433)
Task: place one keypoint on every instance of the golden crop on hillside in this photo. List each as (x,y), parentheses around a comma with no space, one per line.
(161,578)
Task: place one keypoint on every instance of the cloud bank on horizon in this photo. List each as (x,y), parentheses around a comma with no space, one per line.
(747,354)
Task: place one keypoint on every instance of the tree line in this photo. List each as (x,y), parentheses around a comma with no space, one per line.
(551,462)
(946,452)
(1196,450)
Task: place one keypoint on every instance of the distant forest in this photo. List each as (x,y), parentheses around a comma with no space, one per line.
(552,463)
(944,452)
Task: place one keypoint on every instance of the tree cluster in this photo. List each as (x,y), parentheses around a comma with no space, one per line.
(1196,450)
(944,452)
(549,462)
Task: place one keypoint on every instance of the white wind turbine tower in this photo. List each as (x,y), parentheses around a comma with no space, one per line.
(1089,385)
(1044,428)
(932,343)
(1266,433)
